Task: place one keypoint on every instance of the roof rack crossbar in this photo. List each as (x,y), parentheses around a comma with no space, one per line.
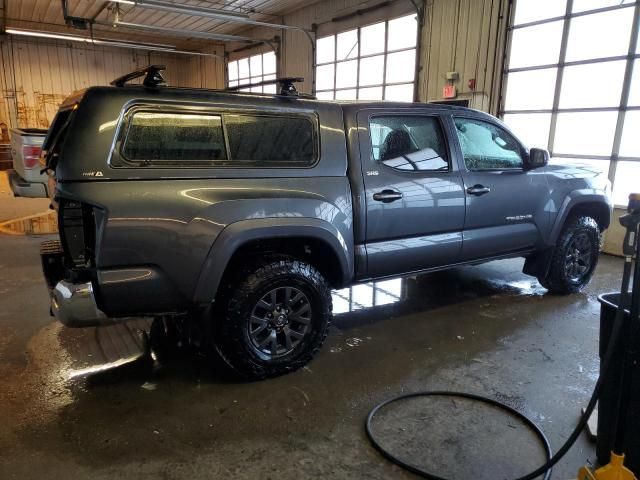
(287,87)
(152,76)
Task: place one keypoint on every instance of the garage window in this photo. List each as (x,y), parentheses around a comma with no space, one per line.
(251,70)
(569,91)
(375,62)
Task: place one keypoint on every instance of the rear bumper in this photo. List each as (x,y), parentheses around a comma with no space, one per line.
(74,304)
(24,188)
(120,292)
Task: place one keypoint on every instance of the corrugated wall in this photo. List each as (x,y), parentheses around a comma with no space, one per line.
(465,36)
(37,75)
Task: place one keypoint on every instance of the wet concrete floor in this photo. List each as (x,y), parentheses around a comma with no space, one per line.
(488,330)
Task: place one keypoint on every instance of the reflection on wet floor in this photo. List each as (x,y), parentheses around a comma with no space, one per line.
(110,347)
(367,295)
(106,348)
(427,291)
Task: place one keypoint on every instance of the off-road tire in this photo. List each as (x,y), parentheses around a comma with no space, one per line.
(558,280)
(232,337)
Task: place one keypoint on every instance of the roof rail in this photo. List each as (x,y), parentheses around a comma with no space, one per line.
(151,73)
(287,87)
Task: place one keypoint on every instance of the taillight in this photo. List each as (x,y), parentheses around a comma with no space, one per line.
(77,232)
(31,155)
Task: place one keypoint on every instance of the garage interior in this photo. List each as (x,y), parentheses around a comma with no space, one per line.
(564,75)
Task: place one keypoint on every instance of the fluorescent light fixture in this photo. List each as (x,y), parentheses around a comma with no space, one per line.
(156,47)
(78,38)
(57,36)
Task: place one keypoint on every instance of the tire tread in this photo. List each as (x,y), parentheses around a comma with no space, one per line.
(555,280)
(230,342)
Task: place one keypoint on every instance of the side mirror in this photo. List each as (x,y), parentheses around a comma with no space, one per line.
(538,157)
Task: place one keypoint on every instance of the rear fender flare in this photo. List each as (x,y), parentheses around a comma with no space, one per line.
(235,235)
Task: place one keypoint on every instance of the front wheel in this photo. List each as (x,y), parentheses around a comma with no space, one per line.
(575,256)
(274,319)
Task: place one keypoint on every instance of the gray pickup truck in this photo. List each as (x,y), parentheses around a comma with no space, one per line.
(242,211)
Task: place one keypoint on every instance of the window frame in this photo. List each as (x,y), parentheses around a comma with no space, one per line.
(443,133)
(523,150)
(118,160)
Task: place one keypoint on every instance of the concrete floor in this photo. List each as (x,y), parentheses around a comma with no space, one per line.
(488,330)
(11,207)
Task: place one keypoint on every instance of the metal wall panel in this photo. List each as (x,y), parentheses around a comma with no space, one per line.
(38,74)
(464,36)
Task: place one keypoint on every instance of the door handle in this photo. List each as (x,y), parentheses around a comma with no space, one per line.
(387,196)
(478,190)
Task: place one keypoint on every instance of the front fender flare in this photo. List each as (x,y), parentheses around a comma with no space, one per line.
(572,200)
(239,233)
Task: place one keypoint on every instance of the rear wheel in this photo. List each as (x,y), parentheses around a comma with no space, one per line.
(274,318)
(575,256)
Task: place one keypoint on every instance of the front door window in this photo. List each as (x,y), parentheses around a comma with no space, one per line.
(486,146)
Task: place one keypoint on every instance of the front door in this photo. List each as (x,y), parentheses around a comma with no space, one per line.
(414,192)
(505,202)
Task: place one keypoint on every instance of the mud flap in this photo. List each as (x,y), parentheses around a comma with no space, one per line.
(538,264)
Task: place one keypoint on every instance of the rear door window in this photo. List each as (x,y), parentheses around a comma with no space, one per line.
(174,138)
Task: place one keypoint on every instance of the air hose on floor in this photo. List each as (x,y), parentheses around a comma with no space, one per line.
(544,469)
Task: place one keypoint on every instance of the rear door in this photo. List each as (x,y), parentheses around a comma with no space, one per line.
(505,202)
(413,192)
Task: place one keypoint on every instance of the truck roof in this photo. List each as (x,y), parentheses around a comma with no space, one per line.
(135,89)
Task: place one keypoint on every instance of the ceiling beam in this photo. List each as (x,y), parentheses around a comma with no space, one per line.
(217,14)
(180,31)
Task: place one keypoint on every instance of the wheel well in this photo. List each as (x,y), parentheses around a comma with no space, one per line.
(596,210)
(316,252)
